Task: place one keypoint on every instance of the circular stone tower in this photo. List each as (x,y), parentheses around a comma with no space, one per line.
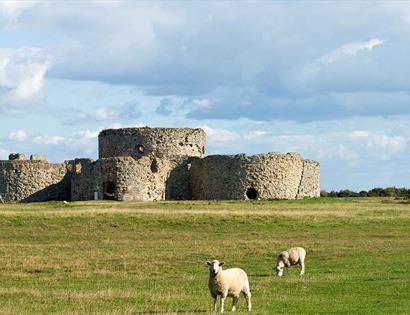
(261,176)
(158,142)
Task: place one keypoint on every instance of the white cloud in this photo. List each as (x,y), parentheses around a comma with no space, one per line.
(387,146)
(87,134)
(348,154)
(22,76)
(127,111)
(200,103)
(350,49)
(255,134)
(46,140)
(100,113)
(219,135)
(13,9)
(93,134)
(18,135)
(359,134)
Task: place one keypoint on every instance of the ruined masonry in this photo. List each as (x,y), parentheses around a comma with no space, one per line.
(158,164)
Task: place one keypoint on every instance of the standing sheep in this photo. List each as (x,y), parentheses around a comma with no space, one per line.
(292,256)
(229,282)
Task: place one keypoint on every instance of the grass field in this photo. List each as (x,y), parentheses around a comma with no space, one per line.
(149,258)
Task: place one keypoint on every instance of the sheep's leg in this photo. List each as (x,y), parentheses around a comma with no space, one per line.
(214,303)
(302,268)
(234,302)
(247,294)
(222,303)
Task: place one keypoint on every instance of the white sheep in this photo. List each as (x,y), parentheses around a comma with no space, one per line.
(292,256)
(229,282)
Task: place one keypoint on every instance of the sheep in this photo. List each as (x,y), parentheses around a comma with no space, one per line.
(292,256)
(229,282)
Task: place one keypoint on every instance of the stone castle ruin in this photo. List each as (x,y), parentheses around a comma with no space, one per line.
(158,164)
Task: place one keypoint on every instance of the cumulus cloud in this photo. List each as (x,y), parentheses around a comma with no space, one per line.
(255,134)
(359,134)
(200,103)
(22,76)
(261,70)
(18,135)
(87,134)
(386,146)
(100,114)
(378,146)
(12,9)
(45,140)
(127,111)
(231,60)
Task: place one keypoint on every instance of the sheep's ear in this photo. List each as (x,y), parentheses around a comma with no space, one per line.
(208,263)
(221,263)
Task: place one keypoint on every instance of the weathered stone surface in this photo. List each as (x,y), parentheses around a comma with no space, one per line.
(33,181)
(17,156)
(84,179)
(310,183)
(156,164)
(124,178)
(159,142)
(261,176)
(37,157)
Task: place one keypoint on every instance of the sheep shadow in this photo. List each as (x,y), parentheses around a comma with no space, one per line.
(261,275)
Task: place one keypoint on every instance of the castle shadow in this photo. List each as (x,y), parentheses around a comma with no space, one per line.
(57,191)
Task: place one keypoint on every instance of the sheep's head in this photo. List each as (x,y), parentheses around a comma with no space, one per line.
(214,266)
(279,267)
(282,262)
(286,262)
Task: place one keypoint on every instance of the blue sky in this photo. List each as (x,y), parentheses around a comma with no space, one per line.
(327,79)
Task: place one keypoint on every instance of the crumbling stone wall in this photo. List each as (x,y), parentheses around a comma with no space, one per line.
(157,164)
(85,177)
(22,180)
(159,142)
(261,176)
(125,178)
(150,178)
(143,179)
(310,182)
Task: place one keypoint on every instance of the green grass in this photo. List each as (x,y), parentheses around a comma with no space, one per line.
(145,258)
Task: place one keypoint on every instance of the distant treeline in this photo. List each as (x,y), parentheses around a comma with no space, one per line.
(375,192)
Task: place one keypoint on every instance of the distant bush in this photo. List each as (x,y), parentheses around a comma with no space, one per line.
(393,192)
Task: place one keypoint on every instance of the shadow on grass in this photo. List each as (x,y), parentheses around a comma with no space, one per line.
(258,275)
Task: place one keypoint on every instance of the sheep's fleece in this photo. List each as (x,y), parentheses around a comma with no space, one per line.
(292,256)
(230,282)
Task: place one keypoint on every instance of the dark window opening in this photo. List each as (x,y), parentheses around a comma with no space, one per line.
(139,148)
(252,193)
(109,191)
(154,166)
